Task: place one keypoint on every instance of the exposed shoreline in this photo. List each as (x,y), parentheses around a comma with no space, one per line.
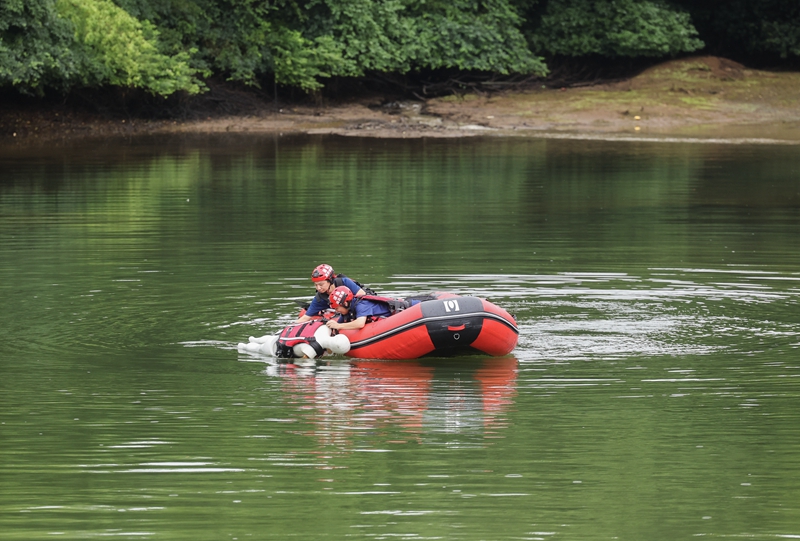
(706,100)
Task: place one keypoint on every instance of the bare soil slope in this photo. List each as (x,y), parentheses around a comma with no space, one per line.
(706,97)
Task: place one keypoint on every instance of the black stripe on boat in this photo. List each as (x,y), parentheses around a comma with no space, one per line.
(439,316)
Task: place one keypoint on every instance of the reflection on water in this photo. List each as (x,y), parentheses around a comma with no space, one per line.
(350,404)
(654,393)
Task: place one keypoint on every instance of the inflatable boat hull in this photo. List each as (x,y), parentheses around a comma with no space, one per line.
(445,326)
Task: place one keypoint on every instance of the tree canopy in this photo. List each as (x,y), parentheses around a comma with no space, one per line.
(164,47)
(629,28)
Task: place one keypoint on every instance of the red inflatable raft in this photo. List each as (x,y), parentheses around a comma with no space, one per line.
(443,326)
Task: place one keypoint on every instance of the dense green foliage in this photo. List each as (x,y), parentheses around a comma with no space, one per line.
(118,49)
(404,35)
(166,46)
(748,30)
(35,45)
(614,28)
(247,40)
(242,40)
(63,43)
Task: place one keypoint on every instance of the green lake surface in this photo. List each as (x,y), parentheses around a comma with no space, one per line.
(654,393)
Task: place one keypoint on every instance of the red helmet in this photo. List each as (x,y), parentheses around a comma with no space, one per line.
(321,273)
(341,296)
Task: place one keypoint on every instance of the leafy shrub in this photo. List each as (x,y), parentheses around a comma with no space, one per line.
(115,48)
(35,46)
(404,35)
(242,40)
(614,28)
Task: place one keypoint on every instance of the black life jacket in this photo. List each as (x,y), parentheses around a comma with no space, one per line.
(338,280)
(394,306)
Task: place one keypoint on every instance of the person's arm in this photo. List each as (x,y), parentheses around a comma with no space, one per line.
(314,309)
(357,323)
(353,286)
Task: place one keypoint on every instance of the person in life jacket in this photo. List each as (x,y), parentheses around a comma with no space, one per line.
(325,281)
(355,311)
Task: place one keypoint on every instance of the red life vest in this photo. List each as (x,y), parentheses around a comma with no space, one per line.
(300,333)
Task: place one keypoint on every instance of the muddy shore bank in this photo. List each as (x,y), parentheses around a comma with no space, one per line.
(697,99)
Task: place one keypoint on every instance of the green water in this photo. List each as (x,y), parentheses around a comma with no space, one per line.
(654,393)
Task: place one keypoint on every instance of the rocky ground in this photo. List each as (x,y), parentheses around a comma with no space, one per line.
(704,98)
